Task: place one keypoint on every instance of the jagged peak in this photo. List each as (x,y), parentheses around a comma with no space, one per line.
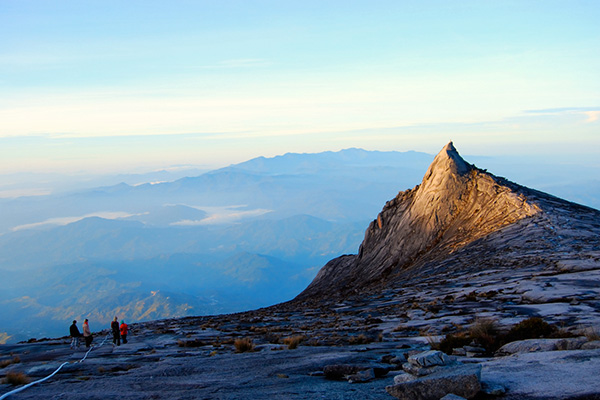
(448,161)
(455,205)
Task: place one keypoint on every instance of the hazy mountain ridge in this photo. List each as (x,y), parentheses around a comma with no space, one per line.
(175,285)
(253,237)
(299,237)
(237,186)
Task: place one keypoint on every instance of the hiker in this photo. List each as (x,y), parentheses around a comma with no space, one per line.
(124,332)
(75,335)
(114,326)
(87,333)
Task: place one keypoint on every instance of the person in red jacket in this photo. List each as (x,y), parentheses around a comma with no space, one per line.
(123,331)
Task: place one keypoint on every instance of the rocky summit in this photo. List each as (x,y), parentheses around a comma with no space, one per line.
(467,286)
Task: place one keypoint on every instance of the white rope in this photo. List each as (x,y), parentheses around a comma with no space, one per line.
(5,395)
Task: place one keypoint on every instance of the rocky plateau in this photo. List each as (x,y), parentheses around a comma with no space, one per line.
(462,252)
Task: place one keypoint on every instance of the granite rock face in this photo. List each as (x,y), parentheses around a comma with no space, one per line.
(455,205)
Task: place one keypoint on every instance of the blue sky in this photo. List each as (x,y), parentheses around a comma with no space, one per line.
(123,85)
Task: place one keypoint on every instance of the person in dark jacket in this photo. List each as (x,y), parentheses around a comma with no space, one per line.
(75,335)
(114,326)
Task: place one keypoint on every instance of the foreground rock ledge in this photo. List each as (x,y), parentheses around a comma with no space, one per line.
(461,380)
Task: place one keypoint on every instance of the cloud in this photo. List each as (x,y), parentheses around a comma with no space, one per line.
(592,113)
(237,63)
(14,193)
(224,216)
(70,220)
(562,110)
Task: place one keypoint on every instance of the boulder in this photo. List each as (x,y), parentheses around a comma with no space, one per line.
(535,345)
(420,371)
(461,379)
(429,359)
(571,343)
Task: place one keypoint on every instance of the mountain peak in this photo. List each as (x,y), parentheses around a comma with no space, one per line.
(456,204)
(447,161)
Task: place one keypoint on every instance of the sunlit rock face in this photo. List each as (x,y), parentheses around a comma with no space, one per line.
(456,206)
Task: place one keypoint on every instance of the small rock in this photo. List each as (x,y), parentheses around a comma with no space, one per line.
(452,396)
(381,371)
(571,343)
(316,373)
(403,377)
(418,371)
(493,389)
(459,351)
(398,360)
(340,371)
(471,354)
(363,376)
(474,349)
(387,359)
(594,344)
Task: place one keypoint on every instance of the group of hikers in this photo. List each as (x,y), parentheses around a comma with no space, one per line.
(119,332)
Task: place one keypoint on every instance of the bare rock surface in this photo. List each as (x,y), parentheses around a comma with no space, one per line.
(532,345)
(153,366)
(462,380)
(546,375)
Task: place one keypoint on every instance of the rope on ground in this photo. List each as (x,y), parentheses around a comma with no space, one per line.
(5,395)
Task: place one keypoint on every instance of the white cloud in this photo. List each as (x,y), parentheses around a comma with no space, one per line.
(226,215)
(592,116)
(238,63)
(14,193)
(70,220)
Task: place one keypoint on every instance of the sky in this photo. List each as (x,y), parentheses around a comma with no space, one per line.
(114,86)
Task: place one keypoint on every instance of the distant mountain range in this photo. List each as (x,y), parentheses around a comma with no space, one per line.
(237,238)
